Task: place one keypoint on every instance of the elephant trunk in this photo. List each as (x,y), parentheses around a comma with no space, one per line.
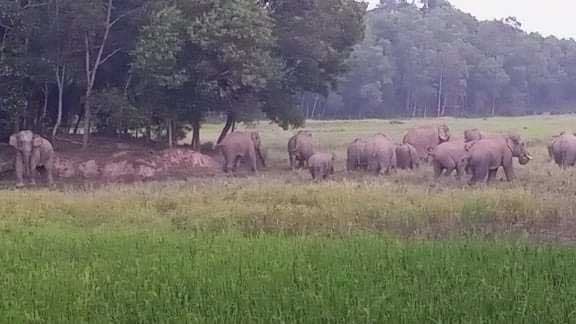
(27,156)
(261,157)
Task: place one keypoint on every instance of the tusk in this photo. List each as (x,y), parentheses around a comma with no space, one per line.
(529,157)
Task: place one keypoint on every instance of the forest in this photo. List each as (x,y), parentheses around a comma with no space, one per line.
(147,68)
(432,60)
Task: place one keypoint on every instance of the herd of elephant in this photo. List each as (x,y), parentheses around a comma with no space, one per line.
(478,154)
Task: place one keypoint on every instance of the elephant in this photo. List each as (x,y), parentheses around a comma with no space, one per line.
(426,138)
(357,155)
(450,156)
(473,134)
(32,151)
(321,165)
(406,157)
(381,152)
(488,155)
(242,145)
(562,150)
(300,149)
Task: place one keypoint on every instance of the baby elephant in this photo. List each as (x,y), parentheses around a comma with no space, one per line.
(406,157)
(321,165)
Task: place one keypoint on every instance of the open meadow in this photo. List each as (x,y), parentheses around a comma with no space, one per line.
(277,247)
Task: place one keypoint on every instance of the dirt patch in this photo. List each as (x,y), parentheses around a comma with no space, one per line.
(118,160)
(134,165)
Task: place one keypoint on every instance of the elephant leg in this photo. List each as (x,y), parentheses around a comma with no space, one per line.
(235,163)
(253,159)
(479,174)
(19,170)
(301,164)
(34,163)
(437,169)
(49,166)
(313,173)
(226,164)
(291,157)
(509,172)
(460,170)
(492,175)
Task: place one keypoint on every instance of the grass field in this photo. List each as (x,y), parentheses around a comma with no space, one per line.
(278,248)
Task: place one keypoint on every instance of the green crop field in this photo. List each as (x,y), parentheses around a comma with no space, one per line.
(278,248)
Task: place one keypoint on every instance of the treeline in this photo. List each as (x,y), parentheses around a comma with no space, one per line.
(433,60)
(137,67)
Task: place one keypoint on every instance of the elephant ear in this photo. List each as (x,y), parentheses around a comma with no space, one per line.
(512,141)
(37,141)
(255,136)
(14,140)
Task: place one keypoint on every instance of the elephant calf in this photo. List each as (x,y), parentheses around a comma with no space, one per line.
(406,157)
(357,155)
(562,150)
(450,156)
(321,165)
(381,154)
(32,151)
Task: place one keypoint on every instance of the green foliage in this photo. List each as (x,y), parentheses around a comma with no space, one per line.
(56,276)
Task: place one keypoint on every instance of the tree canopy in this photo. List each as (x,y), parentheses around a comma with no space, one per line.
(430,59)
(132,67)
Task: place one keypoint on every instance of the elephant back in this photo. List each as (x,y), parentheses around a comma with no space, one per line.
(425,138)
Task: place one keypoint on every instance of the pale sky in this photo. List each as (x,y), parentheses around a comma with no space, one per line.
(550,17)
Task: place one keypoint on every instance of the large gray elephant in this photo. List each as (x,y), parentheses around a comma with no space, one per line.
(321,165)
(357,155)
(300,149)
(426,138)
(488,155)
(33,151)
(242,145)
(381,152)
(406,157)
(473,134)
(562,150)
(450,156)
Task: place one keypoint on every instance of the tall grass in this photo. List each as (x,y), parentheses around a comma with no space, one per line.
(64,277)
(253,206)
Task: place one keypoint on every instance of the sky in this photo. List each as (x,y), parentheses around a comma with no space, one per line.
(550,17)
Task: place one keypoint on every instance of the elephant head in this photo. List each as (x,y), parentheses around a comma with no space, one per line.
(473,134)
(255,137)
(518,148)
(443,133)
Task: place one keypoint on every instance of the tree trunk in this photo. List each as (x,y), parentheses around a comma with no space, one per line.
(493,105)
(230,122)
(92,68)
(87,119)
(149,134)
(440,84)
(196,135)
(170,134)
(60,74)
